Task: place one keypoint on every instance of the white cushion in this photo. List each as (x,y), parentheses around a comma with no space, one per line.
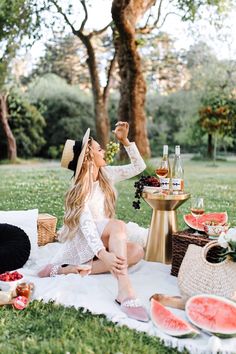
(27,221)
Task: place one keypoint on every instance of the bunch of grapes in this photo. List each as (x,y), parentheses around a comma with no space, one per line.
(112,149)
(151,181)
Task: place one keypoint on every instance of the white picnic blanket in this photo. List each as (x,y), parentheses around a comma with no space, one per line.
(96,293)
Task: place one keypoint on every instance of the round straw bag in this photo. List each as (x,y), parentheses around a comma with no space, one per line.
(198,276)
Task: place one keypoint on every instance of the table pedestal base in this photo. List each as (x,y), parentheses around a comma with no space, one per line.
(159,244)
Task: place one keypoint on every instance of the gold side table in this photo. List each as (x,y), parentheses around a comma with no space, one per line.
(163,224)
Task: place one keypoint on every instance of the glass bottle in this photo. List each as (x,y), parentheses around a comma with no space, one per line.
(163,170)
(177,175)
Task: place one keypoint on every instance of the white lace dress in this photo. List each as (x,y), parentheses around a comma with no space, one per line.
(87,242)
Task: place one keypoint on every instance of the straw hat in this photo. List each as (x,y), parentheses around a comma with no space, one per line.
(73,154)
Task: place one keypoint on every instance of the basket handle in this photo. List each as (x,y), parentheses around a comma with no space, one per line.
(208,246)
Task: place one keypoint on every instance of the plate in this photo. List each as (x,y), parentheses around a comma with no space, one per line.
(149,189)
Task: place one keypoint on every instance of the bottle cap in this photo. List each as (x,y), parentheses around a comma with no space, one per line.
(177,150)
(165,149)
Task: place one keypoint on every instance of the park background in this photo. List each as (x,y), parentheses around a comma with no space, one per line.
(168,68)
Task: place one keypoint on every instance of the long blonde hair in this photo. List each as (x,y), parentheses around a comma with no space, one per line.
(79,193)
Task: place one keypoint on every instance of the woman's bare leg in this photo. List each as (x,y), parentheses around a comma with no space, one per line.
(134,254)
(114,236)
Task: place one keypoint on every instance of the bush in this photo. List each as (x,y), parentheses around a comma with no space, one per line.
(68,112)
(173,121)
(27,125)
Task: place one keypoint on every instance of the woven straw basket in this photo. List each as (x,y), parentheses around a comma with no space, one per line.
(198,276)
(46,229)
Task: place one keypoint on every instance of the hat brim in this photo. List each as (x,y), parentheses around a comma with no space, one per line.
(82,154)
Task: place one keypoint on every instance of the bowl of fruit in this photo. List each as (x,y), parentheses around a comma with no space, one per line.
(151,184)
(213,229)
(10,280)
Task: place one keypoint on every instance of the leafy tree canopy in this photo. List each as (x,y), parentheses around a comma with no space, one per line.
(18,18)
(218,115)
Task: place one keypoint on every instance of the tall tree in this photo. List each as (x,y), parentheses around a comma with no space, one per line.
(100,93)
(17,19)
(125,14)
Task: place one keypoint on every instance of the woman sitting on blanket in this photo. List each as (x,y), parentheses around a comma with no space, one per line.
(90,231)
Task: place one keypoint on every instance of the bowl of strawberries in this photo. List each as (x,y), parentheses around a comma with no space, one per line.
(9,280)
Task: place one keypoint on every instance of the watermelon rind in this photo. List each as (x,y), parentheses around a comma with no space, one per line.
(161,311)
(221,333)
(198,225)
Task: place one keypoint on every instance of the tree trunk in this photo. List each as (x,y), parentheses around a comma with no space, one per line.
(215,148)
(100,102)
(210,147)
(11,141)
(125,14)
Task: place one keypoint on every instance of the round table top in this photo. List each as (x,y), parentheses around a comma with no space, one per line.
(162,196)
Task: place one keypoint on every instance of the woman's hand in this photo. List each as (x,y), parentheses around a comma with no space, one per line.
(116,265)
(121,132)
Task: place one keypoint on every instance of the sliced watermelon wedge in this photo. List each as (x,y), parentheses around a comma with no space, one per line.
(212,313)
(169,323)
(191,221)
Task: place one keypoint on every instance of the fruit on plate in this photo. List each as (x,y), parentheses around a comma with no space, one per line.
(9,280)
(151,181)
(198,223)
(214,231)
(169,323)
(10,276)
(214,314)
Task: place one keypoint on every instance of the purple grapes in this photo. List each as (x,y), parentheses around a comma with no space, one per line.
(150,181)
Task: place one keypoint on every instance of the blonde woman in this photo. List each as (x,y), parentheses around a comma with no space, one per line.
(90,230)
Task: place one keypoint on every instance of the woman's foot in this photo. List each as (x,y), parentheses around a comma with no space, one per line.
(52,270)
(134,309)
(83,269)
(125,292)
(46,271)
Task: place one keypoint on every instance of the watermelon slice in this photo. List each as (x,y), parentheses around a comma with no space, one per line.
(169,323)
(191,221)
(214,314)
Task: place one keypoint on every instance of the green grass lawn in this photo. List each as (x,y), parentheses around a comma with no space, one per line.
(46,328)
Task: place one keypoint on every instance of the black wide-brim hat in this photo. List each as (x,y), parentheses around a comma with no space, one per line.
(73,154)
(14,248)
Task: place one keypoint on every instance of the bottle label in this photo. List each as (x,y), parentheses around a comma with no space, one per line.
(177,184)
(165,183)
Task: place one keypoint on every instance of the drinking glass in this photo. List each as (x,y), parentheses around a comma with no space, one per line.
(162,169)
(197,209)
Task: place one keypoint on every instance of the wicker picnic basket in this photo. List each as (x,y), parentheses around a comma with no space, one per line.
(46,229)
(198,276)
(180,242)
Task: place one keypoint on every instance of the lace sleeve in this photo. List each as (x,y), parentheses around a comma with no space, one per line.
(89,230)
(120,173)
